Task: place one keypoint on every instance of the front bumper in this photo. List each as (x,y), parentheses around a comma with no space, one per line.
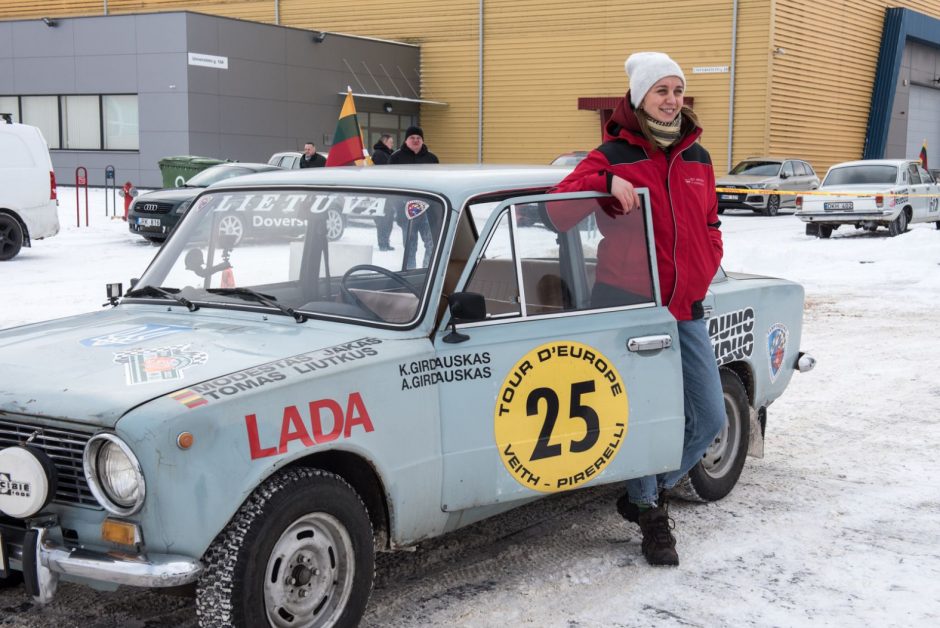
(755,201)
(44,561)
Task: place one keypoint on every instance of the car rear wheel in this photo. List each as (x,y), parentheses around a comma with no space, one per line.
(11,237)
(899,225)
(721,465)
(155,239)
(299,552)
(773,205)
(937,225)
(825,231)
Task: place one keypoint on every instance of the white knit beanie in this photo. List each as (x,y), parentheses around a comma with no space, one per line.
(645,69)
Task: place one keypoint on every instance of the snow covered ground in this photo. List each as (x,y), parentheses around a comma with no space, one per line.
(838,525)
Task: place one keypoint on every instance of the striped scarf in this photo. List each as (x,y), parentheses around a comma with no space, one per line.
(665,133)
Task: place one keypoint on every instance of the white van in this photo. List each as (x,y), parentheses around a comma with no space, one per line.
(28,203)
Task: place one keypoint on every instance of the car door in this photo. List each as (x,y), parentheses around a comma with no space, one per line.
(930,190)
(917,198)
(548,392)
(790,182)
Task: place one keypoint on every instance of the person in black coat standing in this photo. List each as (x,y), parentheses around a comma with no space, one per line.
(310,158)
(415,151)
(381,153)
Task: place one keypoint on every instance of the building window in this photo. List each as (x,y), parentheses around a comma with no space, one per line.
(43,112)
(81,122)
(11,105)
(121,128)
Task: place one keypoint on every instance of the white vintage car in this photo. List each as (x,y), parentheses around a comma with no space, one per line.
(891,193)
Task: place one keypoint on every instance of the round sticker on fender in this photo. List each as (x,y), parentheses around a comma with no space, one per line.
(561,416)
(24,483)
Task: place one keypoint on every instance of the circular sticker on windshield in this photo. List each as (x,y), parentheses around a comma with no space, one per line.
(561,416)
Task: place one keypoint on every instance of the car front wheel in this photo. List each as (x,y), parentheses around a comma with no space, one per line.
(773,205)
(299,552)
(11,237)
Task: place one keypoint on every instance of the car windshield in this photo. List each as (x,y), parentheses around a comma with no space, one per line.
(215,174)
(757,168)
(862,175)
(359,255)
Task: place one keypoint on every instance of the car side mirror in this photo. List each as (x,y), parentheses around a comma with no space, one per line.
(784,175)
(465,307)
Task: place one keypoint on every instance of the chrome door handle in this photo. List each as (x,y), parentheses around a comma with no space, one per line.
(649,343)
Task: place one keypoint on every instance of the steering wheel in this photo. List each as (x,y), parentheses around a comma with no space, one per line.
(352,298)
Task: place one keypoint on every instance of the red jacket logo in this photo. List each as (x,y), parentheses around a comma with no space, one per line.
(694,181)
(293,427)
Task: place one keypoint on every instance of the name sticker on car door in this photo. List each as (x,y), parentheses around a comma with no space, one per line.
(560,417)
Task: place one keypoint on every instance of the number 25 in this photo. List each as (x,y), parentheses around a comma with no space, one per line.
(543,447)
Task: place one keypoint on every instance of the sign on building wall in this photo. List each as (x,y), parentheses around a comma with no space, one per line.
(209,61)
(710,69)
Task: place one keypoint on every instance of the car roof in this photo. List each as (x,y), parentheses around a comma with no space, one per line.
(456,182)
(875,162)
(245,164)
(774,159)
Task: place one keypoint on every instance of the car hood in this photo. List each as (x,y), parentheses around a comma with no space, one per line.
(93,368)
(169,195)
(743,178)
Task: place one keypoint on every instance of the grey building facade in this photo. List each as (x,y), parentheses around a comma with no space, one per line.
(129,90)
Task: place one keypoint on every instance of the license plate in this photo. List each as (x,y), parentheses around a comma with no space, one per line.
(729,197)
(4,564)
(838,205)
(148,222)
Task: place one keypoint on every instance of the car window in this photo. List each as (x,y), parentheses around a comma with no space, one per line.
(757,168)
(925,177)
(809,169)
(881,174)
(548,263)
(275,242)
(787,169)
(913,175)
(215,174)
(798,169)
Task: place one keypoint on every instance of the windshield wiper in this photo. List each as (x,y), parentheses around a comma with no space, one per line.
(265,299)
(168,293)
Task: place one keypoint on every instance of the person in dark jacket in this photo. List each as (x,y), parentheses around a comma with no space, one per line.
(310,158)
(383,225)
(428,225)
(651,141)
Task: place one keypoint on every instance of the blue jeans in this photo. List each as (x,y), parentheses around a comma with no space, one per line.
(418,226)
(704,410)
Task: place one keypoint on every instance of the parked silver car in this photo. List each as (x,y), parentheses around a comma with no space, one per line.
(765,175)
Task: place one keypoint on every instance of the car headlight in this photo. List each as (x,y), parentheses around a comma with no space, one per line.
(760,186)
(183,207)
(114,475)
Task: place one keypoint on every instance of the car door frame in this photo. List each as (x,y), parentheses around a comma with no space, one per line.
(475,471)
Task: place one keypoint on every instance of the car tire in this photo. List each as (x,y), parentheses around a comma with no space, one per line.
(335,224)
(937,225)
(232,225)
(154,239)
(773,205)
(11,237)
(721,465)
(298,552)
(721,210)
(899,225)
(825,231)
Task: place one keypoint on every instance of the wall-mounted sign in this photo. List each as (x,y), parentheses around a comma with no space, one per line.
(209,61)
(710,69)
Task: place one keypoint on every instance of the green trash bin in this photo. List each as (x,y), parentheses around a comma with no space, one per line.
(177,170)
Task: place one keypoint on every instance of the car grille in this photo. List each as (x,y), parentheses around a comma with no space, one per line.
(154,208)
(65,448)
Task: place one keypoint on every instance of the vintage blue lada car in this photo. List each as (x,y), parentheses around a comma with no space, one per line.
(260,417)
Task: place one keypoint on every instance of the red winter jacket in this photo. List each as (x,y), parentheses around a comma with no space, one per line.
(683,202)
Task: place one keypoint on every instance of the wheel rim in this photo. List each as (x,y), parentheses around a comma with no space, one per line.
(334,224)
(7,241)
(309,576)
(231,226)
(773,204)
(719,457)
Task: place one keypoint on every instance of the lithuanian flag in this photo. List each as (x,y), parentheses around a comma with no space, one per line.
(347,148)
(923,154)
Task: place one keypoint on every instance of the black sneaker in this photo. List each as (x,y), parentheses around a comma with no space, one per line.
(659,545)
